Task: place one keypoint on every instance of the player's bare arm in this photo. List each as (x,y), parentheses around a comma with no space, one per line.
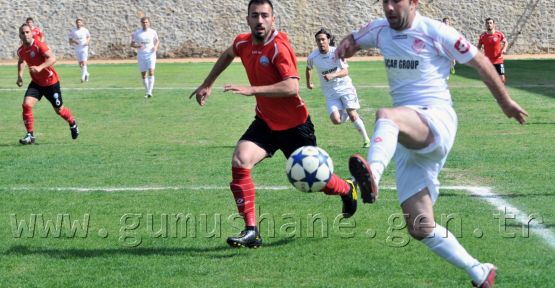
(20,64)
(308,74)
(505,44)
(286,88)
(205,89)
(342,73)
(49,60)
(347,48)
(488,74)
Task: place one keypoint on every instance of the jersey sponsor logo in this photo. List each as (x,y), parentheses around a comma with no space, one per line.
(400,37)
(401,64)
(264,60)
(462,45)
(329,71)
(418,45)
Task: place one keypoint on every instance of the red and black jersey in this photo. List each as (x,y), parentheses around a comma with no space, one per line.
(492,46)
(33,55)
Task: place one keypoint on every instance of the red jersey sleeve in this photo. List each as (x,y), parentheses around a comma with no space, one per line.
(241,38)
(284,59)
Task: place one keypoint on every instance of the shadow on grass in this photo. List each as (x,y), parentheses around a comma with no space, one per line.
(528,75)
(219,252)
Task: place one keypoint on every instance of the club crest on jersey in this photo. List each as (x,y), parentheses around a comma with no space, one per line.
(264,60)
(418,45)
(462,45)
(32,54)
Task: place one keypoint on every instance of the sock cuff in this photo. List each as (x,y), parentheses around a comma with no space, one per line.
(238,173)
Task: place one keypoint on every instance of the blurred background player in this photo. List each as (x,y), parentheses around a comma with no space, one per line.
(341,95)
(447,22)
(37,33)
(44,82)
(80,38)
(495,45)
(282,121)
(146,41)
(419,130)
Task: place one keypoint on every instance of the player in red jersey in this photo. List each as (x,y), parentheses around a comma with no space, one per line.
(282,121)
(37,33)
(495,45)
(44,82)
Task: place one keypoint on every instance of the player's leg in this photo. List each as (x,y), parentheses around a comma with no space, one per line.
(501,71)
(143,68)
(84,59)
(255,145)
(303,135)
(32,96)
(54,94)
(150,76)
(419,216)
(334,106)
(349,100)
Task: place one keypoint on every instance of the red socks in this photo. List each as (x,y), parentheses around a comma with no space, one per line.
(336,186)
(244,194)
(28,119)
(66,114)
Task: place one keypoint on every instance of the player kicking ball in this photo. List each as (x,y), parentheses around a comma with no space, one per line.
(44,82)
(341,95)
(419,130)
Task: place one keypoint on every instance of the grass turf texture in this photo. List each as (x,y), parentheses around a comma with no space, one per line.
(170,142)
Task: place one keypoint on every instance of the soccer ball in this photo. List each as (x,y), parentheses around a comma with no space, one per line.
(309,168)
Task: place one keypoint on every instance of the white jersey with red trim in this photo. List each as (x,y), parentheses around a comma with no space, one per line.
(326,63)
(417,59)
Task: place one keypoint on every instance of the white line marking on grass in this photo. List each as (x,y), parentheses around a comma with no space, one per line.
(377,86)
(484,193)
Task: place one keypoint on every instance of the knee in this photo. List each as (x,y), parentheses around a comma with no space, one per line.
(384,113)
(238,162)
(335,120)
(419,233)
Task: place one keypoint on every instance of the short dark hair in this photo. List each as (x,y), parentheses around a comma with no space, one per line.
(328,34)
(24,25)
(260,2)
(487,19)
(29,19)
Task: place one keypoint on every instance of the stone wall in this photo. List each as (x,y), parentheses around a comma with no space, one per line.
(199,28)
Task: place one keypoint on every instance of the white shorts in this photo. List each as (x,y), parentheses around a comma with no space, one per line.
(147,62)
(418,169)
(82,53)
(341,100)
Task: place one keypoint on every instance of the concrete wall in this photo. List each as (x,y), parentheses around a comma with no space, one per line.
(200,28)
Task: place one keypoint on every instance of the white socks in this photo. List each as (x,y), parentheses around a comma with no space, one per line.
(384,143)
(446,246)
(150,83)
(359,125)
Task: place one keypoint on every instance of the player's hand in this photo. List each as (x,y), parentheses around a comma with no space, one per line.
(35,69)
(243,90)
(202,93)
(309,86)
(347,48)
(329,76)
(513,110)
(19,82)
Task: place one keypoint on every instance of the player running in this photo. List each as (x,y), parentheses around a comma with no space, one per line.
(146,41)
(282,121)
(80,38)
(37,33)
(44,82)
(341,95)
(419,130)
(495,45)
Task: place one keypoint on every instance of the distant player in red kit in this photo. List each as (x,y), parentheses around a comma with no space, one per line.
(44,82)
(281,122)
(495,45)
(37,33)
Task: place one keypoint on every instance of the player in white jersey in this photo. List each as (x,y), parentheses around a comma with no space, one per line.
(146,41)
(80,38)
(341,95)
(420,129)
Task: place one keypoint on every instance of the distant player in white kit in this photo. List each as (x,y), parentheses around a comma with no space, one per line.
(80,38)
(341,95)
(146,41)
(419,130)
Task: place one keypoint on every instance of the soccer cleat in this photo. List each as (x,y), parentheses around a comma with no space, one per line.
(247,238)
(74,130)
(364,177)
(453,70)
(490,277)
(87,77)
(28,139)
(148,96)
(366,144)
(350,200)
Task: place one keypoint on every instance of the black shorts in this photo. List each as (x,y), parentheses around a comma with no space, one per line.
(52,93)
(500,68)
(287,140)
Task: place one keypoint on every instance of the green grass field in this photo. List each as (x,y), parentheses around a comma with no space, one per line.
(141,199)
